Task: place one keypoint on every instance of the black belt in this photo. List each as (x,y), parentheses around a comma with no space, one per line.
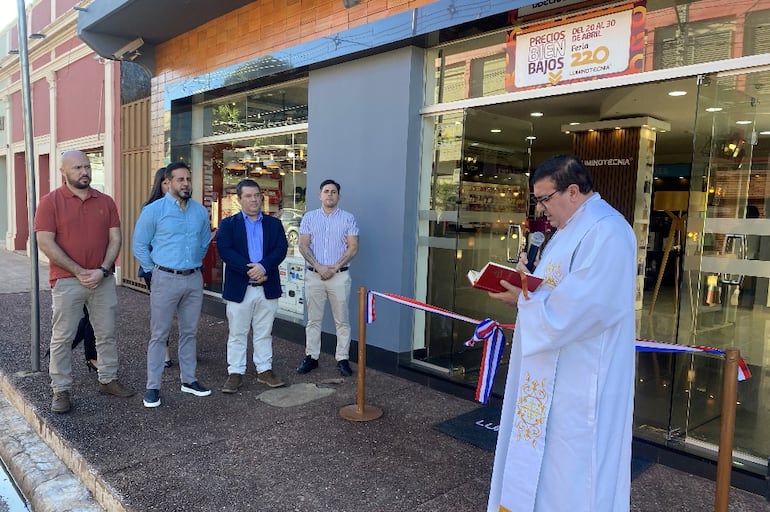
(254,283)
(343,269)
(180,272)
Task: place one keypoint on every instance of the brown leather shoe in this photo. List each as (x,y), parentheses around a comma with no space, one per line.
(61,402)
(268,378)
(233,383)
(115,388)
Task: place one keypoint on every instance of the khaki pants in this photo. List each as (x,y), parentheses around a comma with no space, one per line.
(68,297)
(337,290)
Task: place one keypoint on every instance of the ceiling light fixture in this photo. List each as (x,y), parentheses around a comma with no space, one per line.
(495,130)
(766,132)
(714,109)
(744,121)
(677,93)
(536,114)
(531,137)
(573,123)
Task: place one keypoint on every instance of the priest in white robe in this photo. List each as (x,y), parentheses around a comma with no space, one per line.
(564,443)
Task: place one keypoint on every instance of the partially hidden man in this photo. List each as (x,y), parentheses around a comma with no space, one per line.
(171,237)
(78,229)
(251,245)
(564,442)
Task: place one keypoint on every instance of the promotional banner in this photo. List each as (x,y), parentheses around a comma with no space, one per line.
(604,43)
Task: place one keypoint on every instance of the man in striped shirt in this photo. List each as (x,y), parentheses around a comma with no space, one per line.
(328,240)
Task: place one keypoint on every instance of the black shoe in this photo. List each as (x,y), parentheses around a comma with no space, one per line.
(195,389)
(308,365)
(168,363)
(344,368)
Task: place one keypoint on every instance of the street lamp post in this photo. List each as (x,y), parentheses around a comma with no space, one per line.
(29,159)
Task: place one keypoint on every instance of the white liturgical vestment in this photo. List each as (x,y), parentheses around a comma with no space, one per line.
(564,443)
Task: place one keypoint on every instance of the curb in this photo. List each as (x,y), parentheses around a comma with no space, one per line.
(52,474)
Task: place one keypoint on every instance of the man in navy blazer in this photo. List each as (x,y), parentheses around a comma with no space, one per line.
(251,245)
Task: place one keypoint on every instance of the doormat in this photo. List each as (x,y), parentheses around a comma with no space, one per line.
(479,428)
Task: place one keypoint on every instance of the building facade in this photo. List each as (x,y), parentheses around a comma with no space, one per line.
(432,114)
(75,98)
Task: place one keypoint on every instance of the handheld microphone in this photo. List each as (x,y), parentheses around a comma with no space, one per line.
(536,239)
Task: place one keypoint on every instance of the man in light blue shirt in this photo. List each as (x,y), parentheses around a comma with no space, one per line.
(170,240)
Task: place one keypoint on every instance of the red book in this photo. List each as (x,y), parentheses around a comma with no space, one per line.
(489,278)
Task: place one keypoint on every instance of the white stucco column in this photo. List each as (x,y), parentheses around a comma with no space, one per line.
(7,153)
(110,151)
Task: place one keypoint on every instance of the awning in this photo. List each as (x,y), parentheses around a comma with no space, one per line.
(131,29)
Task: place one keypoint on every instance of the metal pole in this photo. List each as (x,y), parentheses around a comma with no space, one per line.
(727,429)
(360,411)
(29,159)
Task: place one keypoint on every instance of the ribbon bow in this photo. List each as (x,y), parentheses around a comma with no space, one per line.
(491,333)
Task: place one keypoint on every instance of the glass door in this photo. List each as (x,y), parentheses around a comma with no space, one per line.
(724,286)
(479,188)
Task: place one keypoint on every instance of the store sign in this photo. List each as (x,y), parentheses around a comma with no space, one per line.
(545,5)
(608,162)
(602,43)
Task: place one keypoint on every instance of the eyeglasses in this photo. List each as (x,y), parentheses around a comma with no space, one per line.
(543,200)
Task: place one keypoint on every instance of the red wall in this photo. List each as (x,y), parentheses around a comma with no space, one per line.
(80,99)
(41,108)
(64,5)
(67,46)
(13,38)
(41,17)
(20,191)
(17,128)
(40,62)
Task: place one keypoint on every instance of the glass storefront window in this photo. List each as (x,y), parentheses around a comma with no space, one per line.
(702,271)
(480,191)
(278,163)
(272,107)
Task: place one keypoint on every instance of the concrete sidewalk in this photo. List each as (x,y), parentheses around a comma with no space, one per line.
(260,449)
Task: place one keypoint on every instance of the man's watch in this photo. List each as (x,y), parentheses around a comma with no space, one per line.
(105,271)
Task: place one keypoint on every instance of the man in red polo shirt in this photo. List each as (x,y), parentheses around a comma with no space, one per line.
(78,229)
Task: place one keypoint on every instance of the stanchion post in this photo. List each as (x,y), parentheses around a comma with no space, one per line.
(727,429)
(360,411)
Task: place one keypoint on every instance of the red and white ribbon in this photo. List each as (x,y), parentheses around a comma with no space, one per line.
(491,333)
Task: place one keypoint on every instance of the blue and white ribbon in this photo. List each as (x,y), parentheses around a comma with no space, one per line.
(491,333)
